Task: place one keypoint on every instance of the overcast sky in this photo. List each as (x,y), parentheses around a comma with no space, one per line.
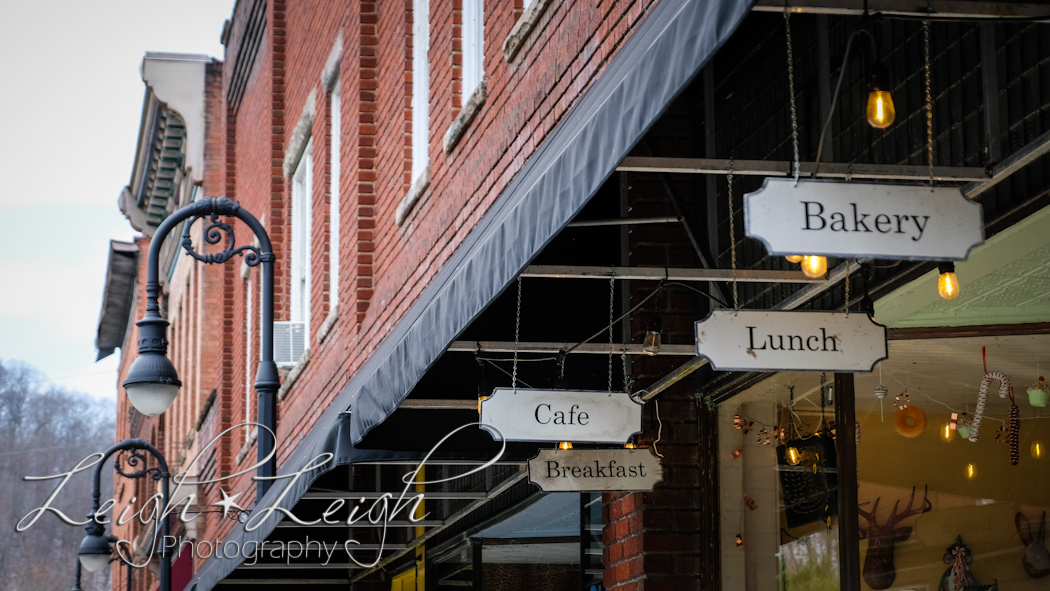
(70,107)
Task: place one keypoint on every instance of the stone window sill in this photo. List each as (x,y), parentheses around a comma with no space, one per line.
(248,445)
(329,322)
(466,115)
(293,375)
(529,18)
(414,195)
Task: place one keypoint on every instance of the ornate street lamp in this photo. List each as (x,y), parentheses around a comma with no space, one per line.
(152,381)
(95,549)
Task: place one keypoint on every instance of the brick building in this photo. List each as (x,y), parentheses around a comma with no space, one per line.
(460,194)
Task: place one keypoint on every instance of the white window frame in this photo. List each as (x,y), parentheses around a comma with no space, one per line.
(333,216)
(302,194)
(473,46)
(420,88)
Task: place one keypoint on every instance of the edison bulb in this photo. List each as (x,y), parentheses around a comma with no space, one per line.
(814,266)
(948,283)
(971,471)
(630,445)
(564,445)
(792,456)
(880,109)
(794,258)
(947,433)
(1037,450)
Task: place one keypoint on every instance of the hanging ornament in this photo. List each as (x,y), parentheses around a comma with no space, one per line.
(1015,433)
(1001,434)
(902,401)
(736,454)
(881,393)
(751,504)
(982,399)
(909,420)
(963,424)
(1039,393)
(739,541)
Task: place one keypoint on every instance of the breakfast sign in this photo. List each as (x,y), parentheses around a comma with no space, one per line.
(846,219)
(770,340)
(561,415)
(594,470)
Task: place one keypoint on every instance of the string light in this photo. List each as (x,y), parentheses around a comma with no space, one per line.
(564,445)
(794,258)
(630,445)
(971,471)
(1037,449)
(880,111)
(948,283)
(651,345)
(792,456)
(947,433)
(814,266)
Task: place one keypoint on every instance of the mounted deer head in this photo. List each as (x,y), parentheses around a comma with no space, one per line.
(1036,558)
(879,571)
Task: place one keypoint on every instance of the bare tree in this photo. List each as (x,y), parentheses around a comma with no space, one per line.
(45,430)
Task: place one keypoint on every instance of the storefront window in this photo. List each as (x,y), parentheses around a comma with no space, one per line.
(778,479)
(974,510)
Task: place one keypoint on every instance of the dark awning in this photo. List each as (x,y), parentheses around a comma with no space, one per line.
(663,55)
(117,296)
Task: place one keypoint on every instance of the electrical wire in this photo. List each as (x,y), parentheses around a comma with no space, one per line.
(622,316)
(701,292)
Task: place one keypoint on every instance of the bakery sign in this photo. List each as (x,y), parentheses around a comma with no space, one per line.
(560,415)
(594,470)
(770,340)
(850,219)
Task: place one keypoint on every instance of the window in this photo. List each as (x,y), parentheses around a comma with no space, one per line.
(249,305)
(333,225)
(420,87)
(302,183)
(473,46)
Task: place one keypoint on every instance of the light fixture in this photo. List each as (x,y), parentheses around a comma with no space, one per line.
(971,471)
(651,345)
(948,283)
(94,552)
(794,258)
(564,445)
(152,383)
(814,266)
(880,111)
(792,455)
(947,433)
(1037,449)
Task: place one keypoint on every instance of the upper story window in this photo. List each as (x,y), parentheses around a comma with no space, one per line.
(302,190)
(473,46)
(333,215)
(420,87)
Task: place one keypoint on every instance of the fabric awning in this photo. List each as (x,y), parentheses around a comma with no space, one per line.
(664,54)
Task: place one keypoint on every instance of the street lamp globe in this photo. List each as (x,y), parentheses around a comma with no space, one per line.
(94,552)
(152,383)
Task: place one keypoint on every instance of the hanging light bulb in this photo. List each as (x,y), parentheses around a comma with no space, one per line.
(651,346)
(630,445)
(564,445)
(948,283)
(1037,449)
(814,266)
(880,111)
(794,258)
(947,433)
(792,455)
(971,471)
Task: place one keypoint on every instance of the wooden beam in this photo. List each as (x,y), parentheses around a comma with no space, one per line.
(960,332)
(942,9)
(592,348)
(1014,162)
(671,274)
(900,172)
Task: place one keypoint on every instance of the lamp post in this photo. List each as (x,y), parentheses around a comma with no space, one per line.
(127,567)
(95,551)
(152,381)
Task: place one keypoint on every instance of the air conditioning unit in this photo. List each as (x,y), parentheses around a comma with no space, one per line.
(289,342)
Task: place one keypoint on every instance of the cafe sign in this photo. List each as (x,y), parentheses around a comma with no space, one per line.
(561,415)
(595,470)
(769,340)
(850,219)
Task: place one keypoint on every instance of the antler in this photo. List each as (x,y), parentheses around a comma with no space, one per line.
(908,512)
(870,516)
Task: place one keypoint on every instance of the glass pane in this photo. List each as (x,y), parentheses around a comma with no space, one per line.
(778,482)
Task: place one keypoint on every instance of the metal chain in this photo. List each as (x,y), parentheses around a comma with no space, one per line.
(612,321)
(849,172)
(791,91)
(847,288)
(517,331)
(732,238)
(929,98)
(627,381)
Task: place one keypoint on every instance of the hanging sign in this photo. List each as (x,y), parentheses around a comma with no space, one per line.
(561,415)
(595,470)
(768,340)
(849,219)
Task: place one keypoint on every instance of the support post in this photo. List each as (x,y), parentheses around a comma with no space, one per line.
(846,452)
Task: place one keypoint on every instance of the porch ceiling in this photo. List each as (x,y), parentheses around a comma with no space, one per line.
(1005,281)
